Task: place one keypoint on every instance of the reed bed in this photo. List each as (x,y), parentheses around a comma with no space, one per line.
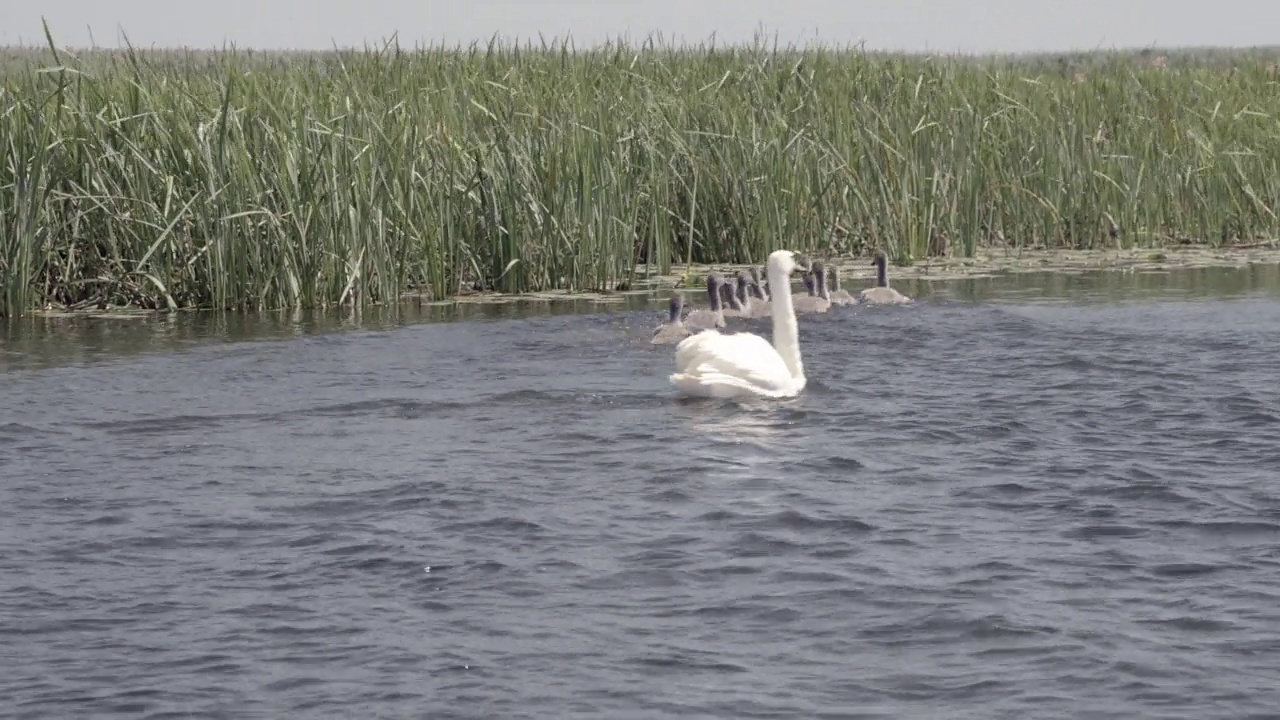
(236,179)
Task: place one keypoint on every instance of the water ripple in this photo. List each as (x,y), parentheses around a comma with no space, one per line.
(1050,511)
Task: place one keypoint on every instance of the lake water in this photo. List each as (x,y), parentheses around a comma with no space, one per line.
(1026,497)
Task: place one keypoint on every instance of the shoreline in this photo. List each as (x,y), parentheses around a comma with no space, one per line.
(985,263)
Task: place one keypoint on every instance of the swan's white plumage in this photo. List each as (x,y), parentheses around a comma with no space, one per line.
(740,361)
(712,364)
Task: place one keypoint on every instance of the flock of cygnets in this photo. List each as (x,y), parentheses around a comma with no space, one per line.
(713,364)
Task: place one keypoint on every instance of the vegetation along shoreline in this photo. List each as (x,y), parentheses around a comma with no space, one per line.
(251,180)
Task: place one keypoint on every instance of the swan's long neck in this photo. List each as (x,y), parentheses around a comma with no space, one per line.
(822,285)
(786,334)
(835,280)
(882,272)
(713,294)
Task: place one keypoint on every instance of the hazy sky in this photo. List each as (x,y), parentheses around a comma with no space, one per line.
(938,25)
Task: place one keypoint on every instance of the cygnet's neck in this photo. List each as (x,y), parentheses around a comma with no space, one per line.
(713,290)
(759,285)
(821,279)
(882,272)
(733,299)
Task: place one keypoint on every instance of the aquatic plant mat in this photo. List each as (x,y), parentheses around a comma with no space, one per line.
(249,180)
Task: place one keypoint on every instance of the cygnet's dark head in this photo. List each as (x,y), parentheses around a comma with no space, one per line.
(677,305)
(809,283)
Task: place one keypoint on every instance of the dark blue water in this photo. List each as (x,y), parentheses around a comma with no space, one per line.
(1003,508)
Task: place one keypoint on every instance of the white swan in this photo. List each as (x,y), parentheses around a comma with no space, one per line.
(714,365)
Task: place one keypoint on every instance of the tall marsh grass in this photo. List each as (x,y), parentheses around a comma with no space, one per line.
(250,180)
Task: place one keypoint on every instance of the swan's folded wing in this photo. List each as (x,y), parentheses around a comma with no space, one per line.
(748,358)
(717,385)
(691,347)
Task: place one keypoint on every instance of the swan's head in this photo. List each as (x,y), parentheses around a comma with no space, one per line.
(787,261)
(677,304)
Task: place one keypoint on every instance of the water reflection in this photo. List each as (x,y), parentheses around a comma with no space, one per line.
(752,421)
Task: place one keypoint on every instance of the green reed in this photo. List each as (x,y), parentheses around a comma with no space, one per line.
(273,180)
